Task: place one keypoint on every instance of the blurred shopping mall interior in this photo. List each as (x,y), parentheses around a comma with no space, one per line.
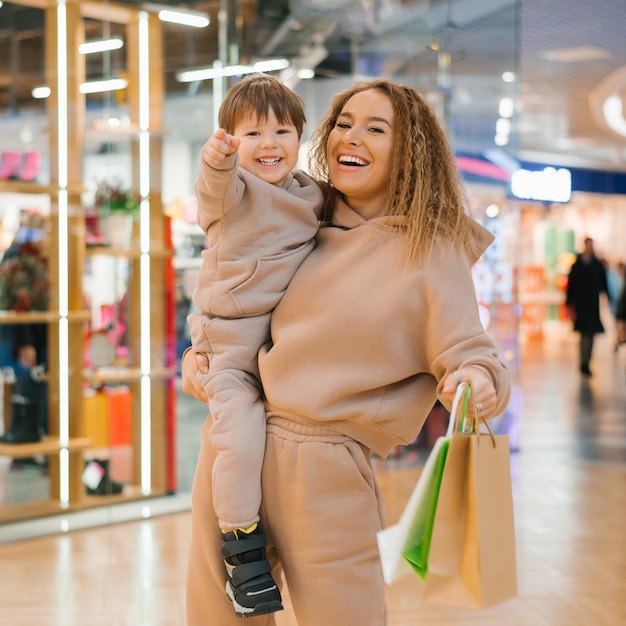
(106,105)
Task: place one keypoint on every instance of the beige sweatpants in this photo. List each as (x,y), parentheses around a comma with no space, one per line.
(237,430)
(321,510)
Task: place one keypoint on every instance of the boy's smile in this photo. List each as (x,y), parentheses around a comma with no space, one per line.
(268,149)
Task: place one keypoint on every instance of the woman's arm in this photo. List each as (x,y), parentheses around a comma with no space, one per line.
(456,344)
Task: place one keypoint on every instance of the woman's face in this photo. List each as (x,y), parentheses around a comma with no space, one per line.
(359,152)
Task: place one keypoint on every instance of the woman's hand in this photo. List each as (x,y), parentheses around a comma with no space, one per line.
(191,364)
(483,401)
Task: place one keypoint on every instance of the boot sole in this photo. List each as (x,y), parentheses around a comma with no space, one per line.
(263,608)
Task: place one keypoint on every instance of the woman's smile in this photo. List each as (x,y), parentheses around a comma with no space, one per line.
(359,152)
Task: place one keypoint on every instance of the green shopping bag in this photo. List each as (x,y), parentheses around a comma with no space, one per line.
(404,546)
(417,544)
(420,534)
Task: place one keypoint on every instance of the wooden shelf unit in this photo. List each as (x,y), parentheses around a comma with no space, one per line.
(66,331)
(45,447)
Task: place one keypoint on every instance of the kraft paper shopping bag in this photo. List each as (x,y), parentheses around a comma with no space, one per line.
(472,554)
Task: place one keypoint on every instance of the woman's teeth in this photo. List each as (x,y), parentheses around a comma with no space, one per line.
(346,160)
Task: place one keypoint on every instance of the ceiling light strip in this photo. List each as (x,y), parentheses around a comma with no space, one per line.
(184,17)
(103,45)
(210,73)
(100,86)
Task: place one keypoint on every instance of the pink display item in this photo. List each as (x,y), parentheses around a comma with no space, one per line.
(31,164)
(10,165)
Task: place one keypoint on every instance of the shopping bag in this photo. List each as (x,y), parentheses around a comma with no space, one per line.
(404,546)
(472,553)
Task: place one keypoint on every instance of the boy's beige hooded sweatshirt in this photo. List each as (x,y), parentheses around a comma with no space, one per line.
(362,343)
(257,235)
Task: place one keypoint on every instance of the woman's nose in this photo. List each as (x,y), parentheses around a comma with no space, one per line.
(351,136)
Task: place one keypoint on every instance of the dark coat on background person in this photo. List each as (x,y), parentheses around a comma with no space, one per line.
(621,307)
(587,280)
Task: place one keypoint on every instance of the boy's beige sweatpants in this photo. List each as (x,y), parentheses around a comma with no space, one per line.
(321,510)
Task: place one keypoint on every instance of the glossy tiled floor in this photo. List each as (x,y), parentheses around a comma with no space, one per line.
(569,482)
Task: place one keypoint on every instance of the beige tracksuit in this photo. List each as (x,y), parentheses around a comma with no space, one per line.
(361,345)
(257,236)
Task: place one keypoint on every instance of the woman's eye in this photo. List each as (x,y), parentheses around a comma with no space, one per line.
(343,125)
(376,129)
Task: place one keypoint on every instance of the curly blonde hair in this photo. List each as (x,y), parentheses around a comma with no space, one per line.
(424,184)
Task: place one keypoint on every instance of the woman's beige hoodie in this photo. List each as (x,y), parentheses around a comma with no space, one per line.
(362,343)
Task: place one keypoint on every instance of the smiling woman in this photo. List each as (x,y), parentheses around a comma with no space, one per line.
(421,178)
(378,322)
(359,152)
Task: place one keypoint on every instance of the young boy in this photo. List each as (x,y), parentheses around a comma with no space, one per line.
(261,219)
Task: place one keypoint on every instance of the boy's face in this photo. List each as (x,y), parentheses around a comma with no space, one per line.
(268,149)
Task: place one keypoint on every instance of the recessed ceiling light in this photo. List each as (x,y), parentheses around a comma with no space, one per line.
(506,107)
(614,114)
(606,101)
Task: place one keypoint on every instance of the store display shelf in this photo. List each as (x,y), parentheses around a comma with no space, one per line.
(40,317)
(124,374)
(130,493)
(133,252)
(32,187)
(30,510)
(46,508)
(47,445)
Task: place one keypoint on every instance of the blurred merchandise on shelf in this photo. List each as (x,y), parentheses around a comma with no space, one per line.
(97,479)
(16,165)
(108,415)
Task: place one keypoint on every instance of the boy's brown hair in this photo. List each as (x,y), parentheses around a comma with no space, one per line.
(258,94)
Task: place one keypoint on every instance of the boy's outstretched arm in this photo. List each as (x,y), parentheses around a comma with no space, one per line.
(219,146)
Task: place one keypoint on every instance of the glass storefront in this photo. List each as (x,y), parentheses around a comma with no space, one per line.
(118,428)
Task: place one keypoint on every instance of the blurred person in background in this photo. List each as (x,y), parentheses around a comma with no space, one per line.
(587,280)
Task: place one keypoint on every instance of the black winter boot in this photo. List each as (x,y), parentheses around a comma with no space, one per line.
(250,585)
(25,418)
(97,480)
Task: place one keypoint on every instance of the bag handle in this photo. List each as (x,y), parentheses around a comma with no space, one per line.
(461,398)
